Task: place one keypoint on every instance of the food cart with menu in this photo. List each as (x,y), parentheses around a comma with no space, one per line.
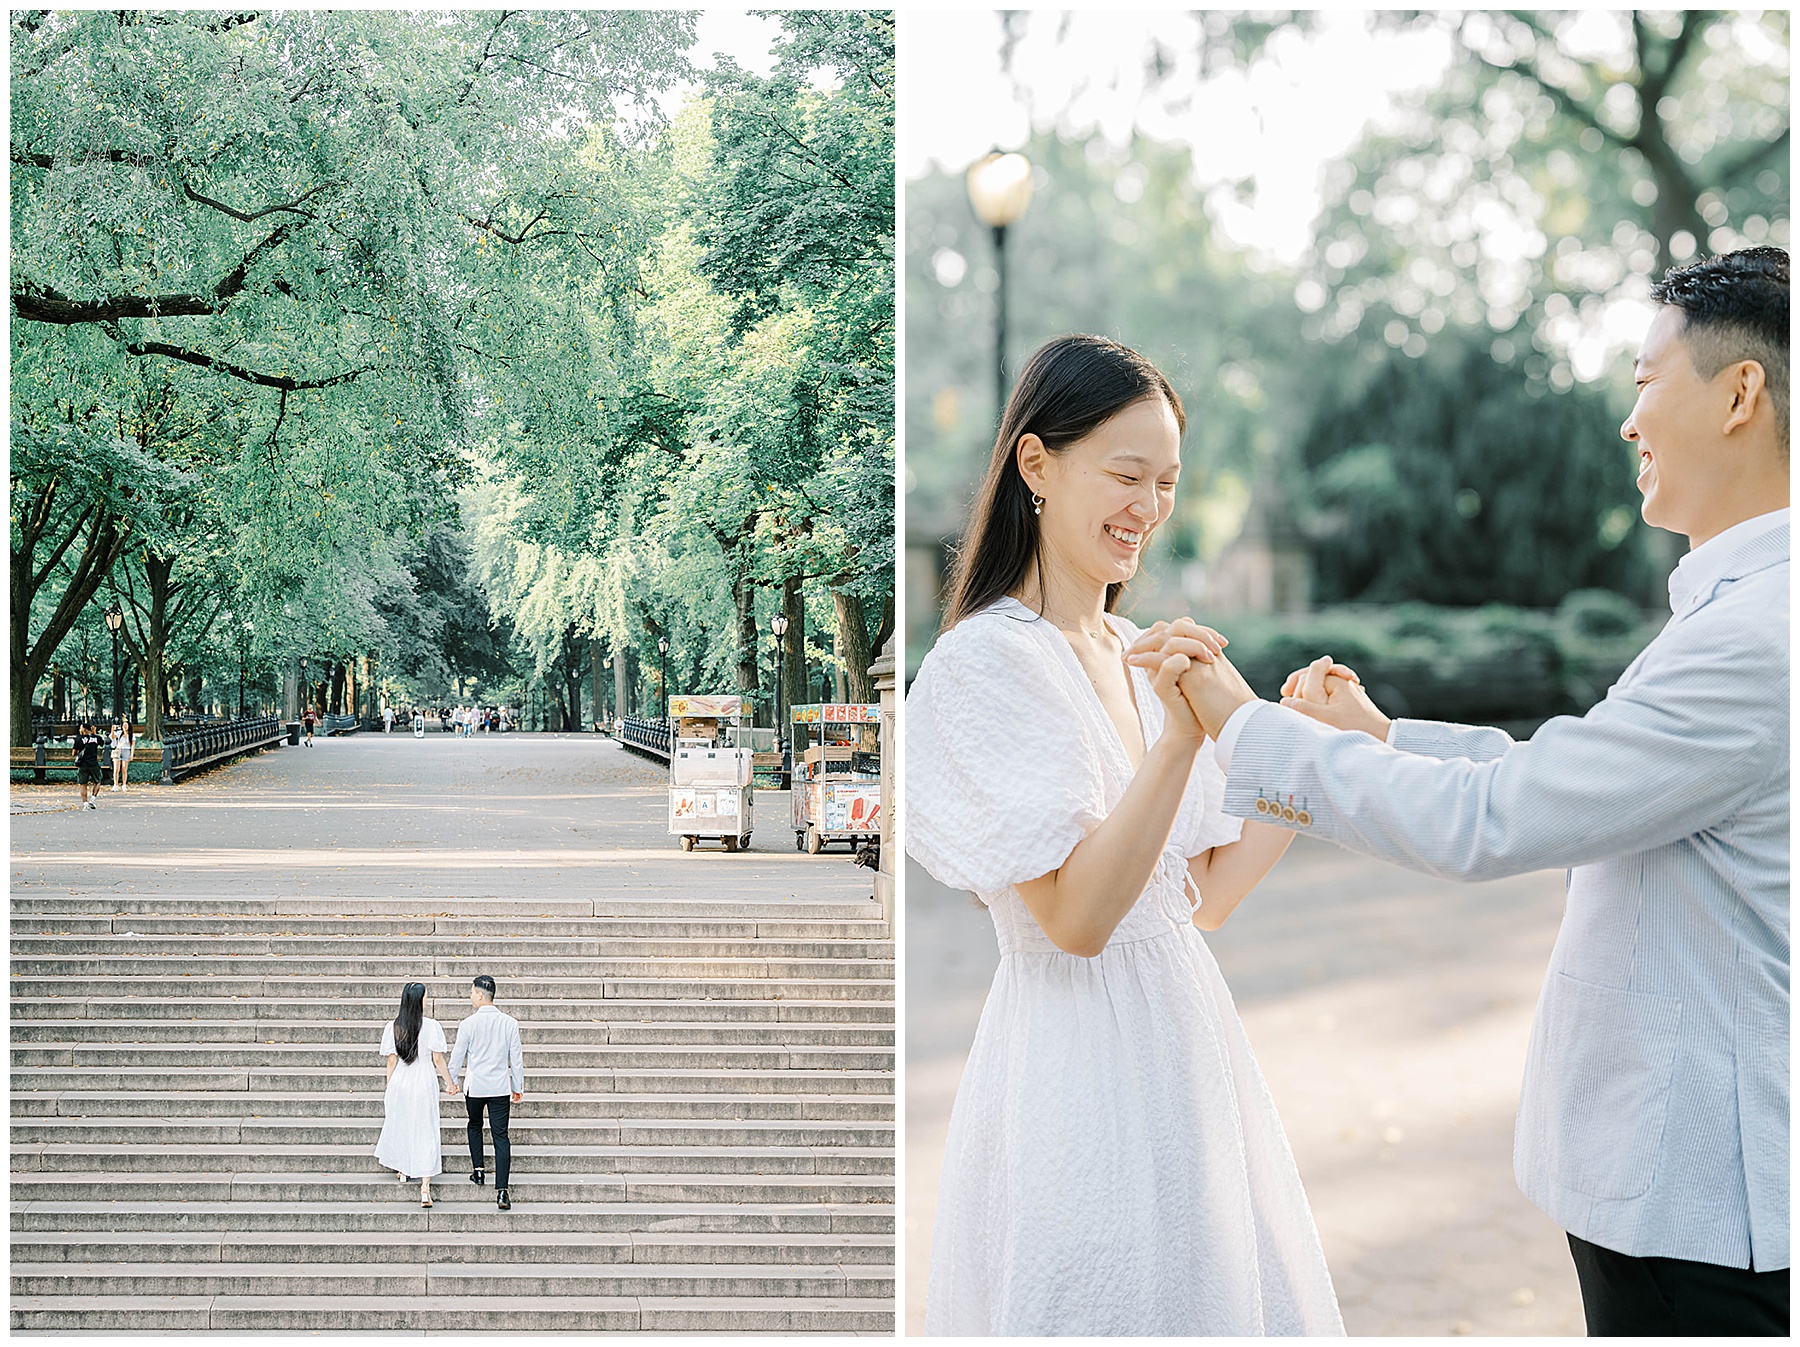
(837,775)
(712,795)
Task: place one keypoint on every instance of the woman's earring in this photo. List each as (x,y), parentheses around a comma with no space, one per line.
(1037,503)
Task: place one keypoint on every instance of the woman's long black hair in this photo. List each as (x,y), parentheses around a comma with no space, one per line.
(1069,387)
(408,1021)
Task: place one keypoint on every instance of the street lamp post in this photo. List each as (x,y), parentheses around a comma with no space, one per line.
(244,662)
(662,676)
(305,689)
(999,191)
(603,710)
(779,625)
(114,620)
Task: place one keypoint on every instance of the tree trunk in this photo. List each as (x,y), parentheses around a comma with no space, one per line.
(743,598)
(853,647)
(794,691)
(99,551)
(597,674)
(621,679)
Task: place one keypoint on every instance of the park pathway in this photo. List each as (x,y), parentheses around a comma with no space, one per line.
(200,975)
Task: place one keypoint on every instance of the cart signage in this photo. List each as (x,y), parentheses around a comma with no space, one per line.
(837,713)
(691,706)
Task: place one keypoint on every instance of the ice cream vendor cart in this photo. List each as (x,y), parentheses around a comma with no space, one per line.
(837,782)
(711,794)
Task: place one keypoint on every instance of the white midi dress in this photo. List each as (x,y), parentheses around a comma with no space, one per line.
(410,1141)
(1115,1164)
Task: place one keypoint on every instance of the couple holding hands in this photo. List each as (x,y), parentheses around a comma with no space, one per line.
(1115,1164)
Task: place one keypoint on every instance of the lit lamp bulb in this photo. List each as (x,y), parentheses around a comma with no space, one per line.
(999,188)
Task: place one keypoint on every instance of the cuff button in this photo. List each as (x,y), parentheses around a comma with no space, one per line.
(1303,818)
(1288,813)
(1262,805)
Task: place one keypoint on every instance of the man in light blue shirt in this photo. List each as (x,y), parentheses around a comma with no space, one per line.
(1653,1120)
(489,1051)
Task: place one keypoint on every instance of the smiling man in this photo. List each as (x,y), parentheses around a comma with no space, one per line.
(1653,1120)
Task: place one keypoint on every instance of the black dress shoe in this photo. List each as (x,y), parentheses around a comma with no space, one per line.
(475,1178)
(504,1201)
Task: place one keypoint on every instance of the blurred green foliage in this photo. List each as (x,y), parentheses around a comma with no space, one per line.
(1491,663)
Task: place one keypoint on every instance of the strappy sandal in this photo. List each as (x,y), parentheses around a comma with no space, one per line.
(425,1196)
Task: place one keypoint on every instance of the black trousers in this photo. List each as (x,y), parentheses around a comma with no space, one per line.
(499,1111)
(1675,1298)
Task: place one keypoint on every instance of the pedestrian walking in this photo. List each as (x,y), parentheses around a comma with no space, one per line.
(121,755)
(387,720)
(87,744)
(490,1062)
(308,718)
(414,1046)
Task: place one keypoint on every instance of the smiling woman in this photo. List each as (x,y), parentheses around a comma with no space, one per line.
(1114,1163)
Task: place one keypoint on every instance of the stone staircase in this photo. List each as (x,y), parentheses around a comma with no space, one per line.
(705,1143)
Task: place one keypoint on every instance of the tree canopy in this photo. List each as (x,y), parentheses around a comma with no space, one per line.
(345,335)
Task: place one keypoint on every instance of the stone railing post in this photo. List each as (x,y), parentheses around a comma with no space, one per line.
(882,670)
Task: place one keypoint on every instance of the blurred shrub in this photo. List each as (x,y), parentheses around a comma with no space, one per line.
(1491,664)
(1598,614)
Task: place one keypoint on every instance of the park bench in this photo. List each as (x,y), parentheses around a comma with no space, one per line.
(187,753)
(41,759)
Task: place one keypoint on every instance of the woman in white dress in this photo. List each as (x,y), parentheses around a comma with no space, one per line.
(1115,1164)
(414,1046)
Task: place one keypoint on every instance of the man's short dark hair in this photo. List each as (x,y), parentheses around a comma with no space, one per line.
(1735,308)
(485,983)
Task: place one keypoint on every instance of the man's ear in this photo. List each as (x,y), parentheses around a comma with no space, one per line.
(1747,384)
(1033,460)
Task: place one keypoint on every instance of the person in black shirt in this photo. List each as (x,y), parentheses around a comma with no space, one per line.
(87,763)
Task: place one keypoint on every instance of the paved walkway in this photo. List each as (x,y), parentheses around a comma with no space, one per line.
(1389,1012)
(504,816)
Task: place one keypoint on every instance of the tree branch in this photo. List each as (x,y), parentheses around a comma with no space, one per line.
(209,362)
(249,217)
(48,306)
(1753,156)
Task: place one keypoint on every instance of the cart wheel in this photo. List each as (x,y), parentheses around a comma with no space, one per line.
(799,841)
(814,842)
(744,842)
(687,843)
(730,843)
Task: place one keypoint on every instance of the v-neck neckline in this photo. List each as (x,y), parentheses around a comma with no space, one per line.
(1068,651)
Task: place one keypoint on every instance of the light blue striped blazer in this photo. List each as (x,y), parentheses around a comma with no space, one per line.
(1653,1118)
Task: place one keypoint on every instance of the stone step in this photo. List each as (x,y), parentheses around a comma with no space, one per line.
(367,1219)
(516,975)
(859,1280)
(41,953)
(290,1079)
(339,1103)
(141,925)
(460,1246)
(487,907)
(355,1056)
(118,1161)
(706,1144)
(453,1314)
(378,1010)
(633,988)
(526,1186)
(526,1130)
(365,1032)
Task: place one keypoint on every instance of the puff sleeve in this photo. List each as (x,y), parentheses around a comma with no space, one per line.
(1003,773)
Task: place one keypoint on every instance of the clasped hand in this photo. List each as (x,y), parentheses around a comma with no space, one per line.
(1201,688)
